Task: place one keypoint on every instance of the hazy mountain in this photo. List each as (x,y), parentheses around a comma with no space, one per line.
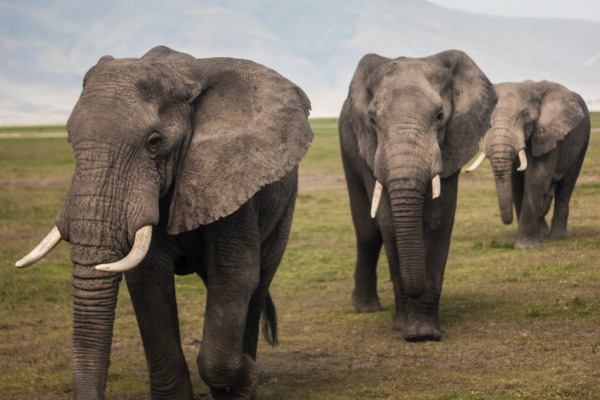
(45,51)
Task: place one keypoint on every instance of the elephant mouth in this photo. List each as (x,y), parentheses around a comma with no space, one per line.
(143,238)
(378,189)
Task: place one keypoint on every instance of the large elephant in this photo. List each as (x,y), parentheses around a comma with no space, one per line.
(182,165)
(536,144)
(406,129)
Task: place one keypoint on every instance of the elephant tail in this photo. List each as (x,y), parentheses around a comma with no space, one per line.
(269,323)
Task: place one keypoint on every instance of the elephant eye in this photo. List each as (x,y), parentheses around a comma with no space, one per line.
(440,116)
(154,142)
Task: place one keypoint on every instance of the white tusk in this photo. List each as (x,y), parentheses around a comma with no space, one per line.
(522,161)
(476,163)
(140,247)
(45,246)
(376,198)
(436,187)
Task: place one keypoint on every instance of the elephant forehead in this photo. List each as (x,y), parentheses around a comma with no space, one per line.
(111,117)
(515,94)
(414,69)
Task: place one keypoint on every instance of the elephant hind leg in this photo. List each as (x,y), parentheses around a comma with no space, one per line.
(271,252)
(563,191)
(561,209)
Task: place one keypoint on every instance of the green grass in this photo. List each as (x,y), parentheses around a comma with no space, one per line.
(595,119)
(516,324)
(43,129)
(324,155)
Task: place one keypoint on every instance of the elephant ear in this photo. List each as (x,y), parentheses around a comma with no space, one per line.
(473,100)
(560,113)
(357,104)
(250,128)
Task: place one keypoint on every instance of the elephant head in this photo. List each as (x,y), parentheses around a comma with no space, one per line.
(165,141)
(416,120)
(532,116)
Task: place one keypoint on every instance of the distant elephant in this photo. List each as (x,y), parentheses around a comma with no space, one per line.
(182,165)
(406,128)
(536,144)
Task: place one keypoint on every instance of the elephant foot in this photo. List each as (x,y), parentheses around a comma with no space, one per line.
(417,328)
(398,323)
(420,328)
(559,233)
(522,244)
(365,303)
(239,385)
(529,239)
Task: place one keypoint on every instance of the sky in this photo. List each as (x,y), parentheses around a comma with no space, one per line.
(572,9)
(46,46)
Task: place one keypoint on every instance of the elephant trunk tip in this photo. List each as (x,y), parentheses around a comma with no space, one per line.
(507,219)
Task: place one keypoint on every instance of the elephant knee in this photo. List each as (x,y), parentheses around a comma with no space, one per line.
(227,375)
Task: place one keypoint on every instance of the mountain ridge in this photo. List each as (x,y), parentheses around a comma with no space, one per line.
(315,44)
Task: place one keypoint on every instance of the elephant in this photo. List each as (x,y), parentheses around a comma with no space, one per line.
(536,144)
(406,128)
(182,165)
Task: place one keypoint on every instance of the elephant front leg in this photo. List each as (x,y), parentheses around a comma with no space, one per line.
(364,294)
(532,225)
(226,369)
(368,247)
(232,279)
(421,316)
(152,289)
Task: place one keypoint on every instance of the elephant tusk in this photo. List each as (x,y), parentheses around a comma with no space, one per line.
(141,244)
(45,246)
(376,198)
(522,161)
(436,187)
(476,163)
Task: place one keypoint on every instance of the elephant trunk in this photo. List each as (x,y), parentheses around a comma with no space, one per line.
(407,218)
(94,303)
(407,179)
(502,166)
(101,229)
(502,143)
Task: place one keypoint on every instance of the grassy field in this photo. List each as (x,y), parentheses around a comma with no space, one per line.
(516,324)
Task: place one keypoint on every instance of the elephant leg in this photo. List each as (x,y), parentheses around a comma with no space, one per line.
(400,298)
(546,204)
(561,209)
(232,277)
(422,314)
(152,290)
(537,181)
(368,247)
(564,189)
(518,179)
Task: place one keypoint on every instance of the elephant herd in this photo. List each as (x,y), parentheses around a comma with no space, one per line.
(186,165)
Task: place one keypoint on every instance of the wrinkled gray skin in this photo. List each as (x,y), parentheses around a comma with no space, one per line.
(206,151)
(552,124)
(404,121)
